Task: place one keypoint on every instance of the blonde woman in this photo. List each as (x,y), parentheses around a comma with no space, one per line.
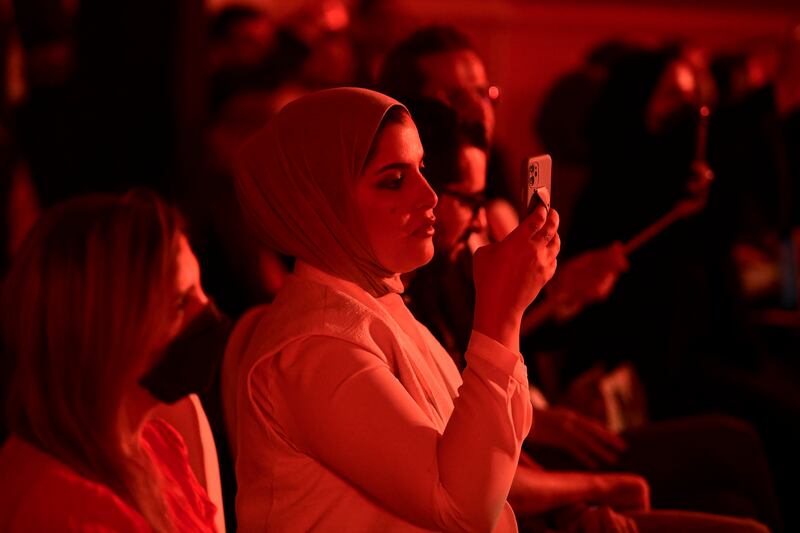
(93,300)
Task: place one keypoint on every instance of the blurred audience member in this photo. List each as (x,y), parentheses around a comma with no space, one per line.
(642,135)
(704,478)
(440,63)
(678,313)
(94,299)
(758,189)
(261,60)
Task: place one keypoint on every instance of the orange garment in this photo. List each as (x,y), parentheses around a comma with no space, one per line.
(39,493)
(346,414)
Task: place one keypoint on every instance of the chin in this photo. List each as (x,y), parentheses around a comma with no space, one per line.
(427,254)
(415,257)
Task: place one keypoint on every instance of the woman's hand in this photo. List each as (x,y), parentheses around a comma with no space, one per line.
(586,279)
(621,492)
(537,491)
(586,439)
(510,274)
(601,520)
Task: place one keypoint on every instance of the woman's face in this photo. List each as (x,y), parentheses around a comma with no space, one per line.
(190,298)
(460,212)
(394,200)
(458,78)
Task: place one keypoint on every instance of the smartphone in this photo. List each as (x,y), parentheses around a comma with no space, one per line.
(536,186)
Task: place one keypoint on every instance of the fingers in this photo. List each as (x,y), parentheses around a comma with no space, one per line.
(587,440)
(555,244)
(549,229)
(603,520)
(592,450)
(607,520)
(614,522)
(534,221)
(585,459)
(599,433)
(630,525)
(594,453)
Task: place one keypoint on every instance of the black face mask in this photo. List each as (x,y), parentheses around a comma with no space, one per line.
(192,360)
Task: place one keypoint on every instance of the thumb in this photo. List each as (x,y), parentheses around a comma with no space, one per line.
(532,223)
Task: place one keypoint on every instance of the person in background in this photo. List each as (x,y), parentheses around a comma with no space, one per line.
(582,452)
(95,298)
(440,62)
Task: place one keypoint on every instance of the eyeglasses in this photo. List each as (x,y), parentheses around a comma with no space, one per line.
(460,96)
(473,201)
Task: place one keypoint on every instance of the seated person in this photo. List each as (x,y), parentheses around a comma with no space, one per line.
(441,295)
(344,412)
(440,62)
(92,302)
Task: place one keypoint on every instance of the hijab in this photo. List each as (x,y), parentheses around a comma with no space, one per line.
(296,178)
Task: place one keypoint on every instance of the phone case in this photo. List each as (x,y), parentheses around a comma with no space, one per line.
(537,181)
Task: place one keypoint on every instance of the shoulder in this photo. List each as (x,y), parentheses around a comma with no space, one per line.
(164,440)
(41,494)
(314,361)
(169,453)
(302,311)
(304,305)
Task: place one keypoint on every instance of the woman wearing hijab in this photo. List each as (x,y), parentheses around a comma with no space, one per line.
(99,292)
(344,412)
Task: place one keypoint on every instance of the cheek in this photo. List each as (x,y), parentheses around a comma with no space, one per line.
(382,224)
(386,217)
(451,221)
(398,217)
(454,216)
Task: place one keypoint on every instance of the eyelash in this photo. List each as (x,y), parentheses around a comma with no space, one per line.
(396,180)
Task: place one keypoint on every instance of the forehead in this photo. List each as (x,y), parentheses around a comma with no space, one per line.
(447,70)
(397,142)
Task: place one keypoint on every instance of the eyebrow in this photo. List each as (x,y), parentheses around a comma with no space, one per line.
(392,166)
(397,166)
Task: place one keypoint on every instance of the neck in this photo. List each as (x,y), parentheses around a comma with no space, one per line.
(306,270)
(136,409)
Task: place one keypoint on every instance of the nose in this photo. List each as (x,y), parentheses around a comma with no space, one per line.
(427,198)
(479,221)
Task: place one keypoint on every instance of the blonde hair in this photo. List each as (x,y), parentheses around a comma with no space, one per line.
(85,305)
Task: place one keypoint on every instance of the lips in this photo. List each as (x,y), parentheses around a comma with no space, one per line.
(426,229)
